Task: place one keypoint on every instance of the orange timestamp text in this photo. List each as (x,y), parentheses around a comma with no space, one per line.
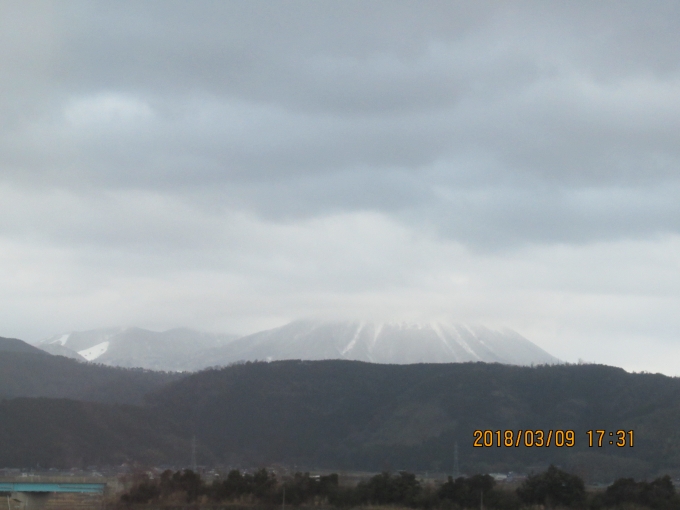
(552,437)
(537,438)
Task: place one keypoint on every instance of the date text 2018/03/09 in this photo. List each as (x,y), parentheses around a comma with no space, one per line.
(551,437)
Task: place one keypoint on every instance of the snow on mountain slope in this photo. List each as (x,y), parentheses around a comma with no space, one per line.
(95,351)
(397,343)
(82,340)
(136,347)
(59,350)
(61,340)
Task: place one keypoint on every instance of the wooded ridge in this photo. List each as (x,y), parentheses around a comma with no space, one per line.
(338,415)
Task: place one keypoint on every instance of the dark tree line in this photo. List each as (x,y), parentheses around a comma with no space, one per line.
(557,488)
(553,488)
(658,494)
(260,486)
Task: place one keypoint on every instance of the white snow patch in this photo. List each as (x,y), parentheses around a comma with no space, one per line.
(61,340)
(353,342)
(376,333)
(440,334)
(95,351)
(463,343)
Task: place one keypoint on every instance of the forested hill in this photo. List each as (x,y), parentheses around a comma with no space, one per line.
(50,432)
(30,372)
(342,414)
(354,415)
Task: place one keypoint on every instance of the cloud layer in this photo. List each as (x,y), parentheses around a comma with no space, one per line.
(235,165)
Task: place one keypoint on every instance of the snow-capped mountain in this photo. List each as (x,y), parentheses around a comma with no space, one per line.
(400,343)
(135,347)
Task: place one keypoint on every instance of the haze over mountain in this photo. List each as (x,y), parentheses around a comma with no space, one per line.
(135,347)
(227,164)
(399,343)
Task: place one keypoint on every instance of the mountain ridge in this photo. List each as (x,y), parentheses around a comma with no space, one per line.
(134,347)
(351,415)
(356,415)
(392,342)
(39,374)
(16,345)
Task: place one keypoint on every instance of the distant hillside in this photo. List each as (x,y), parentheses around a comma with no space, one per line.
(341,414)
(136,347)
(352,415)
(188,350)
(59,350)
(34,373)
(402,343)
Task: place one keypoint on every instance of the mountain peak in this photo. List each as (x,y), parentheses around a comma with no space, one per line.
(384,342)
(378,342)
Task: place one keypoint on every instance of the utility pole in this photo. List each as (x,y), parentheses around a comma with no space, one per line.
(193,454)
(481,501)
(283,505)
(456,467)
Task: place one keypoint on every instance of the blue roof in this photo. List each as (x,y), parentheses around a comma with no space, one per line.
(90,488)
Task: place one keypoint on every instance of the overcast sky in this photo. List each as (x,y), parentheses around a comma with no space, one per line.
(232,166)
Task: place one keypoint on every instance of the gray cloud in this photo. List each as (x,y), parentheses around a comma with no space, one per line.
(153,144)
